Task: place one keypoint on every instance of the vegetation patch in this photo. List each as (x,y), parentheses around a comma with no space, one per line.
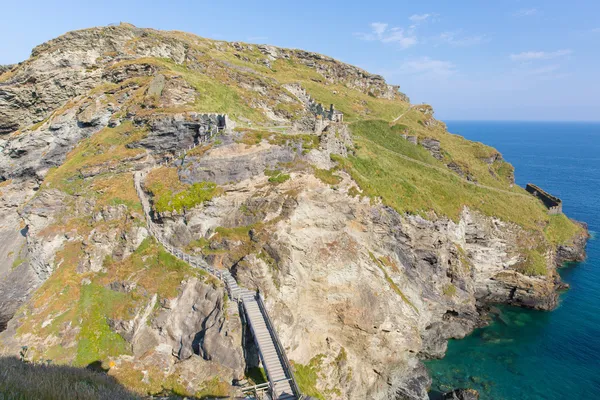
(449,290)
(533,264)
(408,179)
(171,195)
(105,150)
(279,178)
(327,176)
(256,375)
(561,230)
(64,301)
(20,381)
(308,375)
(97,341)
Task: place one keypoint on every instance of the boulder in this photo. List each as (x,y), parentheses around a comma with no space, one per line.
(462,394)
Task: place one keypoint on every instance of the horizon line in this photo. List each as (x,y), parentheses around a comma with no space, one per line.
(518,120)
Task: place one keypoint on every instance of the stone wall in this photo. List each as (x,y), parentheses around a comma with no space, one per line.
(174,132)
(553,203)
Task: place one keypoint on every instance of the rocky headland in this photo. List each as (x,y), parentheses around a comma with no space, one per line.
(373,240)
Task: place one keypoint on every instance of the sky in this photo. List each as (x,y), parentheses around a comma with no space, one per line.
(469,59)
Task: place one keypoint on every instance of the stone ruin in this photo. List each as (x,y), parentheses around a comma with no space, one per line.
(323,116)
(170,132)
(332,114)
(552,203)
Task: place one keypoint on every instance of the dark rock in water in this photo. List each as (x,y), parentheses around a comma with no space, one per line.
(462,394)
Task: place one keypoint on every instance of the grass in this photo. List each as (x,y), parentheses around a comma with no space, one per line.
(327,176)
(407,178)
(468,155)
(449,290)
(18,261)
(308,375)
(534,263)
(280,177)
(214,388)
(67,303)
(381,169)
(256,375)
(171,195)
(23,381)
(106,149)
(561,230)
(97,341)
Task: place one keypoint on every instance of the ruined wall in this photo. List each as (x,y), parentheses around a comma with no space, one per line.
(553,203)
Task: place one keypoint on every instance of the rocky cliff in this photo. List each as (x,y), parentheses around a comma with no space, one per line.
(374,241)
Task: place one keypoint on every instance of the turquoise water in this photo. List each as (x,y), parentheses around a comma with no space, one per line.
(534,354)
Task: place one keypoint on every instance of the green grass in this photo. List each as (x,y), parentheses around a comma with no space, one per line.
(561,230)
(381,170)
(105,147)
(449,290)
(327,176)
(67,302)
(24,381)
(97,341)
(279,178)
(18,261)
(354,104)
(534,263)
(256,375)
(196,194)
(307,376)
(276,176)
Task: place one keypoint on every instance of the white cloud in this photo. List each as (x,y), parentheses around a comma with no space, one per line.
(455,38)
(539,55)
(427,66)
(419,17)
(379,28)
(595,30)
(526,12)
(381,32)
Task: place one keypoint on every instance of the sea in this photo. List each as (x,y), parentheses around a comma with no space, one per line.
(526,354)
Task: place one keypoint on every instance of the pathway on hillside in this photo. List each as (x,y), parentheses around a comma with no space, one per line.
(449,172)
(281,382)
(404,113)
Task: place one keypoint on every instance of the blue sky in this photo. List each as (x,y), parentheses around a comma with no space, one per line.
(470,59)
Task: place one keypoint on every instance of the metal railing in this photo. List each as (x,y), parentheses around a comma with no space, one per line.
(279,347)
(199,262)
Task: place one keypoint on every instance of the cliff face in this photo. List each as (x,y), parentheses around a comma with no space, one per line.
(374,241)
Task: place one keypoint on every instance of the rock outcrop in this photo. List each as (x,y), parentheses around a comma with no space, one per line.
(359,291)
(462,394)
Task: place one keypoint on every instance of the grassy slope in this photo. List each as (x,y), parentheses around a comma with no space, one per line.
(380,166)
(56,382)
(407,178)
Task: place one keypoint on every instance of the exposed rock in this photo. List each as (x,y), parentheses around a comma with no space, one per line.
(6,68)
(575,251)
(234,162)
(460,171)
(195,323)
(32,153)
(462,394)
(177,132)
(156,86)
(433,146)
(354,288)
